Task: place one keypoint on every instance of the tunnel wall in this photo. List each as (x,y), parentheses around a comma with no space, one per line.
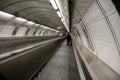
(21,31)
(37,33)
(101,32)
(30,33)
(81,34)
(6,30)
(102,22)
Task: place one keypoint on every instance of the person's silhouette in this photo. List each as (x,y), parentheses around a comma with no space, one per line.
(68,37)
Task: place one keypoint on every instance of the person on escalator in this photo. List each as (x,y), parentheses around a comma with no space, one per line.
(69,40)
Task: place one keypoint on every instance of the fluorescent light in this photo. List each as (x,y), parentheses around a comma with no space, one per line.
(54,4)
(5,16)
(62,20)
(20,19)
(42,26)
(30,22)
(36,25)
(59,14)
(59,4)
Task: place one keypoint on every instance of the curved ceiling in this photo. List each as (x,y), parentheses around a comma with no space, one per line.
(39,11)
(77,9)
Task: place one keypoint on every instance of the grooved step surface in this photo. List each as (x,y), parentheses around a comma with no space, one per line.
(62,66)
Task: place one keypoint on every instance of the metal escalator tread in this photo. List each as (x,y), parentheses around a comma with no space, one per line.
(62,66)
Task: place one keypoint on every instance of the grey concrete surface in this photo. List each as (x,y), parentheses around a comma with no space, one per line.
(62,66)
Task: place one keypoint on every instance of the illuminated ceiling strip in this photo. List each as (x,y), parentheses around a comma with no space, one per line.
(20,19)
(6,14)
(59,14)
(54,4)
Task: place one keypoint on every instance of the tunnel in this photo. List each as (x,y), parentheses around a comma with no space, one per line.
(59,39)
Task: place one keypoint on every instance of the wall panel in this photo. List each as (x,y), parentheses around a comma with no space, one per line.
(6,31)
(31,31)
(101,33)
(21,31)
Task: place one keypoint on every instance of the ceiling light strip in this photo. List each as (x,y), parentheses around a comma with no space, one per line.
(54,4)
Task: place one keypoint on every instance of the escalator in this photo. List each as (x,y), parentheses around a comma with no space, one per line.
(25,61)
(62,66)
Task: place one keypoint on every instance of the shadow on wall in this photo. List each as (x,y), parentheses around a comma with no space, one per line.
(117,5)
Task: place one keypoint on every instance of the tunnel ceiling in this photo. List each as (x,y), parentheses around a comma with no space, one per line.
(77,9)
(39,11)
